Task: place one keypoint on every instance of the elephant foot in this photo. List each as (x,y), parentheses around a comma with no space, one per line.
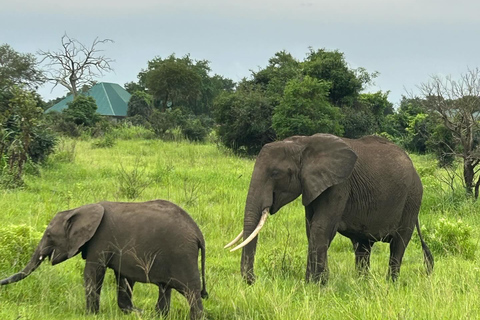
(130,310)
(321,277)
(249,278)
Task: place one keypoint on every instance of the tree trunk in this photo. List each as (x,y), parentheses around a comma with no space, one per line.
(468,175)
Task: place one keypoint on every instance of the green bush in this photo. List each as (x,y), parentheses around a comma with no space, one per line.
(17,244)
(194,130)
(107,141)
(42,145)
(129,130)
(448,237)
(82,111)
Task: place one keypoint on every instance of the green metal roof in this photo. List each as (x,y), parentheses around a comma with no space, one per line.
(111,99)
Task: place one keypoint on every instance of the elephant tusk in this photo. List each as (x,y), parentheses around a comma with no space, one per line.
(234,240)
(255,232)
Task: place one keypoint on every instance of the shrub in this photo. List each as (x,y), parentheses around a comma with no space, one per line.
(140,104)
(194,130)
(82,111)
(131,183)
(450,238)
(43,144)
(305,110)
(163,121)
(17,243)
(107,141)
(129,130)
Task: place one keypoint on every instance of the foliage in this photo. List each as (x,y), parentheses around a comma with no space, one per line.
(140,104)
(161,122)
(455,102)
(82,111)
(23,136)
(17,243)
(107,141)
(182,83)
(244,119)
(64,152)
(126,130)
(194,129)
(367,115)
(346,83)
(131,183)
(251,126)
(17,69)
(448,237)
(305,110)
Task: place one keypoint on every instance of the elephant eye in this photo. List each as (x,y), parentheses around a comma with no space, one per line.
(275,174)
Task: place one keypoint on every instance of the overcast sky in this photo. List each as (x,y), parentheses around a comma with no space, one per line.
(406,41)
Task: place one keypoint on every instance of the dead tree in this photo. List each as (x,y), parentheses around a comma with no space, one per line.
(76,65)
(457,103)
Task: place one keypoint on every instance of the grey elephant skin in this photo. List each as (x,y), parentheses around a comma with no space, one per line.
(151,242)
(366,189)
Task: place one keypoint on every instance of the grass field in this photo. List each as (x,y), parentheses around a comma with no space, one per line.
(211,184)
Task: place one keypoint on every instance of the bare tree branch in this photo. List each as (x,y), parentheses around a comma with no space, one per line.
(76,65)
(457,103)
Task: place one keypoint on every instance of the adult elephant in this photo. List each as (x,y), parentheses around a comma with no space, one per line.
(152,242)
(366,189)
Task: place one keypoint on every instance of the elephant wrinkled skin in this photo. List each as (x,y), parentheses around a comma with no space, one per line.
(151,242)
(366,189)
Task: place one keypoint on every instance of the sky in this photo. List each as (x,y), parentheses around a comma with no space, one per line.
(405,41)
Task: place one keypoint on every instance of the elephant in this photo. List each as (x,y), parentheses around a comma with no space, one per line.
(366,189)
(150,242)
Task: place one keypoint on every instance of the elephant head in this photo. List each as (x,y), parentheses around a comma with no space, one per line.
(284,170)
(65,235)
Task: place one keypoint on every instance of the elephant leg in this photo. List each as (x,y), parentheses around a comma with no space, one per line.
(322,217)
(124,293)
(398,244)
(93,275)
(362,255)
(163,303)
(196,306)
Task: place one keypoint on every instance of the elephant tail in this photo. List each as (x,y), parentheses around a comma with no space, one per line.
(204,292)
(427,254)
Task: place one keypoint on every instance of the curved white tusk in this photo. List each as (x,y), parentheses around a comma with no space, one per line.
(234,240)
(255,232)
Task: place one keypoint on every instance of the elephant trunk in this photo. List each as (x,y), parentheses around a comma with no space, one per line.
(33,264)
(256,213)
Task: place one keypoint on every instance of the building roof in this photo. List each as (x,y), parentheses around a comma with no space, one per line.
(111,99)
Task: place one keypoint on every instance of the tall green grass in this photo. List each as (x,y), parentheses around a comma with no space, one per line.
(211,184)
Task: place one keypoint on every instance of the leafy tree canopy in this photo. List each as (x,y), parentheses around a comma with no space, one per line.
(18,69)
(182,82)
(305,110)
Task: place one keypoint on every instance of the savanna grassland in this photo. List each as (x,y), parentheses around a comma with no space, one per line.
(211,184)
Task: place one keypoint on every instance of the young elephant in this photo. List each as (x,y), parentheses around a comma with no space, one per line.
(151,242)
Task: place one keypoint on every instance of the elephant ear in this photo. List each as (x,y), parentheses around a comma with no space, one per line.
(80,226)
(326,161)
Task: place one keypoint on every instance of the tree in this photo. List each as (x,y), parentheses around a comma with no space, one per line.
(305,110)
(182,83)
(457,104)
(367,115)
(76,65)
(18,69)
(341,86)
(244,118)
(346,83)
(140,104)
(22,134)
(82,111)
